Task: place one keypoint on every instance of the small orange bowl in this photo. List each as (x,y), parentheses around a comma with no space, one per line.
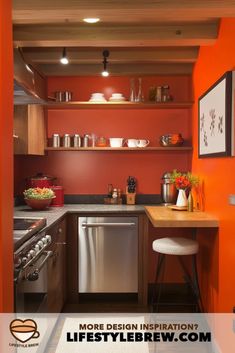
(36,204)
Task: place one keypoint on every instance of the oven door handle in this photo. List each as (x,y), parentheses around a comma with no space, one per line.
(35,274)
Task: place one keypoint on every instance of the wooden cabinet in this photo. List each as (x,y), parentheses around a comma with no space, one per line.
(29,129)
(57,268)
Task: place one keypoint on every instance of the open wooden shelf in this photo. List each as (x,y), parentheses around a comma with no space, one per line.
(122,149)
(118,105)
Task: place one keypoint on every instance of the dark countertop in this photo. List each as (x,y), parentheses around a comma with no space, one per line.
(54,214)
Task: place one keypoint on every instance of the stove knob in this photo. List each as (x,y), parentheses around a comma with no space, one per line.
(40,244)
(37,248)
(32,253)
(24,260)
(29,256)
(48,237)
(44,240)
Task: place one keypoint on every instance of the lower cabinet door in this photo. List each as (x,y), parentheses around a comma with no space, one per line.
(56,279)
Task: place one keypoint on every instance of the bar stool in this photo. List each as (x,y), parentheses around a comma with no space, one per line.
(179,247)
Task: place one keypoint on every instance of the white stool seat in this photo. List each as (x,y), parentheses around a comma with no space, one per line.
(175,246)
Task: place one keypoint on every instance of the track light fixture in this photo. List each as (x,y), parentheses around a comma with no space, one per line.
(105,73)
(64,60)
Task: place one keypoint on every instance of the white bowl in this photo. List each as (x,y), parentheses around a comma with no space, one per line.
(117,95)
(112,99)
(97,100)
(116,141)
(97,95)
(143,143)
(132,143)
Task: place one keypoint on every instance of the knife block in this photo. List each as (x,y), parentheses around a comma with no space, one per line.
(130,198)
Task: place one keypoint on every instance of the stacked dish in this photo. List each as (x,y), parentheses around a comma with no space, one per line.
(97,97)
(117,97)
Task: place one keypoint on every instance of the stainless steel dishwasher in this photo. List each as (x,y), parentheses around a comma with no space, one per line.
(108,254)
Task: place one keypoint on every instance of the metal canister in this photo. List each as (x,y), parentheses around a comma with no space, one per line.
(67,96)
(66,140)
(86,140)
(77,140)
(159,94)
(56,140)
(166,93)
(168,189)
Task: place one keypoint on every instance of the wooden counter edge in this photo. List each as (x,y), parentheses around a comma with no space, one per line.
(209,222)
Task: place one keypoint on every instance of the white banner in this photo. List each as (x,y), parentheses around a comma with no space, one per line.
(114,333)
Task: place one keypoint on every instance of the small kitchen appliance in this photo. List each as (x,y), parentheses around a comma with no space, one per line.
(168,190)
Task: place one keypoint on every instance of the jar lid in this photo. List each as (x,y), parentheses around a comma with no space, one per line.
(166,175)
(57,187)
(41,176)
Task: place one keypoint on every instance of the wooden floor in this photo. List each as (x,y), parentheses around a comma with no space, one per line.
(91,304)
(174,298)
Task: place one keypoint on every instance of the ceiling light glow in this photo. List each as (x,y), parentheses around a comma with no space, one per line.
(91,20)
(105,73)
(64,61)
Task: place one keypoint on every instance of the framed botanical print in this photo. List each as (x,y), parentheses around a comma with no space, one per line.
(215,119)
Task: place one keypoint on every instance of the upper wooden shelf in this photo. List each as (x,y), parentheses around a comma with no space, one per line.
(118,105)
(123,149)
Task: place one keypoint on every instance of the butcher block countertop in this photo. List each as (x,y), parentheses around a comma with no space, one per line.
(166,217)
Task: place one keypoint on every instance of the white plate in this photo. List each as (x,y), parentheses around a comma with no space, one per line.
(112,99)
(101,100)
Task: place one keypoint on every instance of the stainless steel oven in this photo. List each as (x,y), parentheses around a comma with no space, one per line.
(31,257)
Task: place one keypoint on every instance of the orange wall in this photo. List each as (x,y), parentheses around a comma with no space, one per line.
(218,251)
(90,172)
(6,180)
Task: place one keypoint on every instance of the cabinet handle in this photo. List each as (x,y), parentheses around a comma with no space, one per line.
(63,243)
(60,230)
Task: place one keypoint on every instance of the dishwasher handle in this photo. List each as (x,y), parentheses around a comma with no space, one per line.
(111,224)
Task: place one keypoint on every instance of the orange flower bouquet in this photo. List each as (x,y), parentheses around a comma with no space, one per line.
(183,182)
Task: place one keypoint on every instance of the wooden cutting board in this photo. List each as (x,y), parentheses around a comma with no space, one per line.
(178,208)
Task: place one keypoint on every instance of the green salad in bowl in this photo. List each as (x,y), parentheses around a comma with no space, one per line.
(38,198)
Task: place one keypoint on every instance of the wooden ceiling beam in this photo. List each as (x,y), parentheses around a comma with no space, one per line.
(122,11)
(133,55)
(71,35)
(117,70)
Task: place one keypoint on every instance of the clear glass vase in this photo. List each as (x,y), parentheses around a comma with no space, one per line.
(140,95)
(132,91)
